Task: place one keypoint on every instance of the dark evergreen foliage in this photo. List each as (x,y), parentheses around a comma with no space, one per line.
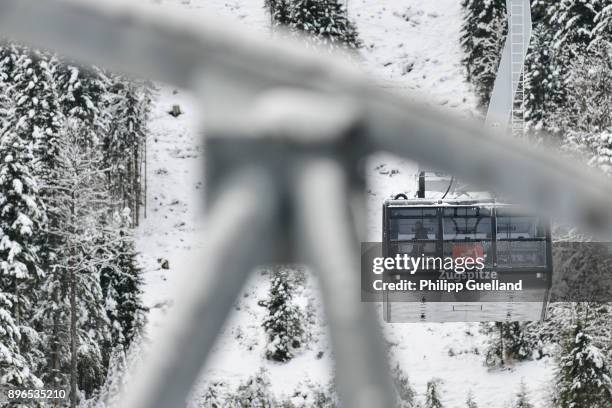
(432,394)
(544,74)
(121,284)
(280,11)
(284,323)
(583,378)
(508,342)
(122,145)
(482,36)
(573,21)
(405,392)
(324,22)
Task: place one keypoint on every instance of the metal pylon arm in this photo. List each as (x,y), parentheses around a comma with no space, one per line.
(241,227)
(326,234)
(197,54)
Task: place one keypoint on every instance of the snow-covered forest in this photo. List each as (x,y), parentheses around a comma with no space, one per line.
(72,151)
(99,204)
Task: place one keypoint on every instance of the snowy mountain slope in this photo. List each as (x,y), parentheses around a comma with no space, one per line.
(413,47)
(175,189)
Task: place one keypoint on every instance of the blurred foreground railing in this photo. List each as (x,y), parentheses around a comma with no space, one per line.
(287,130)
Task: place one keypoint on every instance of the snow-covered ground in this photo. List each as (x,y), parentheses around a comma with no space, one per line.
(413,46)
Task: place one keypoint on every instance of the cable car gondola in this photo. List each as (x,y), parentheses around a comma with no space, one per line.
(514,244)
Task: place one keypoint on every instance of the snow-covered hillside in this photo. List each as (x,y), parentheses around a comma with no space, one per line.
(413,46)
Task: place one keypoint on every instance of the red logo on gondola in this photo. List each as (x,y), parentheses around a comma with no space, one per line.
(468,251)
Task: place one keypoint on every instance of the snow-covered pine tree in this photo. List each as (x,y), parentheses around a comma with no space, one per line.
(589,91)
(540,10)
(482,36)
(522,398)
(309,394)
(15,367)
(544,80)
(38,119)
(37,111)
(325,22)
(507,342)
(602,33)
(74,307)
(405,392)
(601,147)
(254,392)
(284,323)
(470,402)
(573,20)
(587,117)
(84,97)
(21,225)
(214,396)
(583,378)
(123,145)
(280,11)
(121,283)
(432,394)
(5,100)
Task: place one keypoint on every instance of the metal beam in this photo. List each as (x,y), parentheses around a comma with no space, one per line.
(178,50)
(511,65)
(242,223)
(327,236)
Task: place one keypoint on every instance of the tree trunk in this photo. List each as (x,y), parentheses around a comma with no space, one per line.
(145,177)
(73,324)
(503,344)
(73,342)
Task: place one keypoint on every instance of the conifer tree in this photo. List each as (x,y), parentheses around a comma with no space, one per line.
(469,402)
(432,394)
(121,284)
(540,10)
(280,12)
(482,36)
(308,394)
(254,392)
(37,112)
(5,100)
(129,107)
(214,395)
(284,323)
(21,225)
(583,376)
(324,22)
(405,392)
(544,80)
(589,91)
(55,319)
(15,367)
(573,21)
(602,32)
(508,342)
(84,97)
(37,118)
(74,307)
(522,399)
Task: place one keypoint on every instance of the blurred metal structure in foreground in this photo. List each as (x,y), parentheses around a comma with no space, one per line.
(287,131)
